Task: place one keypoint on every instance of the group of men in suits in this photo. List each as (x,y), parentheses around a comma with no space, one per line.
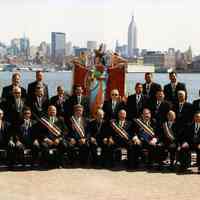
(149,124)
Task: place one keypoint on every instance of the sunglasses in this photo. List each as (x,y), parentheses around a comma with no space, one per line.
(114,94)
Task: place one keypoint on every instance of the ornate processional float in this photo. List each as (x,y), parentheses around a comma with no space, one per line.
(98,73)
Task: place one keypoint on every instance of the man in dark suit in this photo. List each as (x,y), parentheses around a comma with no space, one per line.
(59,100)
(159,107)
(123,142)
(14,107)
(53,137)
(149,87)
(78,136)
(190,141)
(172,88)
(6,138)
(7,91)
(136,102)
(184,111)
(97,131)
(77,98)
(33,85)
(196,104)
(142,138)
(112,106)
(39,103)
(169,136)
(27,137)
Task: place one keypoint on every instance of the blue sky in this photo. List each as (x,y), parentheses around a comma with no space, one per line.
(161,24)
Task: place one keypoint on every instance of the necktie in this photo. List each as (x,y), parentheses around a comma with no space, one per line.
(113,105)
(137,99)
(79,99)
(196,128)
(180,107)
(148,89)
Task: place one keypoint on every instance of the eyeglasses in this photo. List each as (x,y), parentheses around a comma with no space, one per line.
(27,113)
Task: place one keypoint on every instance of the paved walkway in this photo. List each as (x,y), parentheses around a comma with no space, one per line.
(91,184)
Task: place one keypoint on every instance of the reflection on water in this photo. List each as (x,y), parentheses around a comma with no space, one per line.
(53,79)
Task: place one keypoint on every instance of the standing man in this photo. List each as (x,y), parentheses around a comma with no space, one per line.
(33,85)
(136,102)
(171,89)
(112,106)
(39,103)
(77,98)
(196,104)
(14,107)
(184,111)
(7,91)
(59,100)
(149,87)
(159,107)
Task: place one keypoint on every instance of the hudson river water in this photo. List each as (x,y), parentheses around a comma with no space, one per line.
(53,79)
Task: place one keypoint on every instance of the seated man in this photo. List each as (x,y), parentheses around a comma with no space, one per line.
(53,130)
(190,141)
(6,139)
(78,136)
(148,136)
(169,135)
(121,130)
(97,130)
(26,137)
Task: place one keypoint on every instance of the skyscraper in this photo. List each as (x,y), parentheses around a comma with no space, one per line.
(132,38)
(57,47)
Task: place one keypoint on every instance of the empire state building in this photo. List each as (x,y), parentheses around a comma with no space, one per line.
(132,38)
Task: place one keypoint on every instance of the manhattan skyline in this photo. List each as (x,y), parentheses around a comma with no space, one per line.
(160,24)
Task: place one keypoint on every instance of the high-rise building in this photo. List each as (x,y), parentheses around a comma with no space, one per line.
(57,47)
(25,47)
(132,38)
(69,49)
(91,45)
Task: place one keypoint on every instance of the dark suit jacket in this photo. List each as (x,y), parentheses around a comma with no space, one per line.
(184,117)
(7,92)
(31,90)
(160,114)
(196,105)
(73,133)
(169,94)
(128,127)
(59,122)
(5,134)
(109,113)
(94,129)
(133,110)
(69,104)
(189,135)
(153,89)
(11,113)
(59,105)
(28,136)
(36,109)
